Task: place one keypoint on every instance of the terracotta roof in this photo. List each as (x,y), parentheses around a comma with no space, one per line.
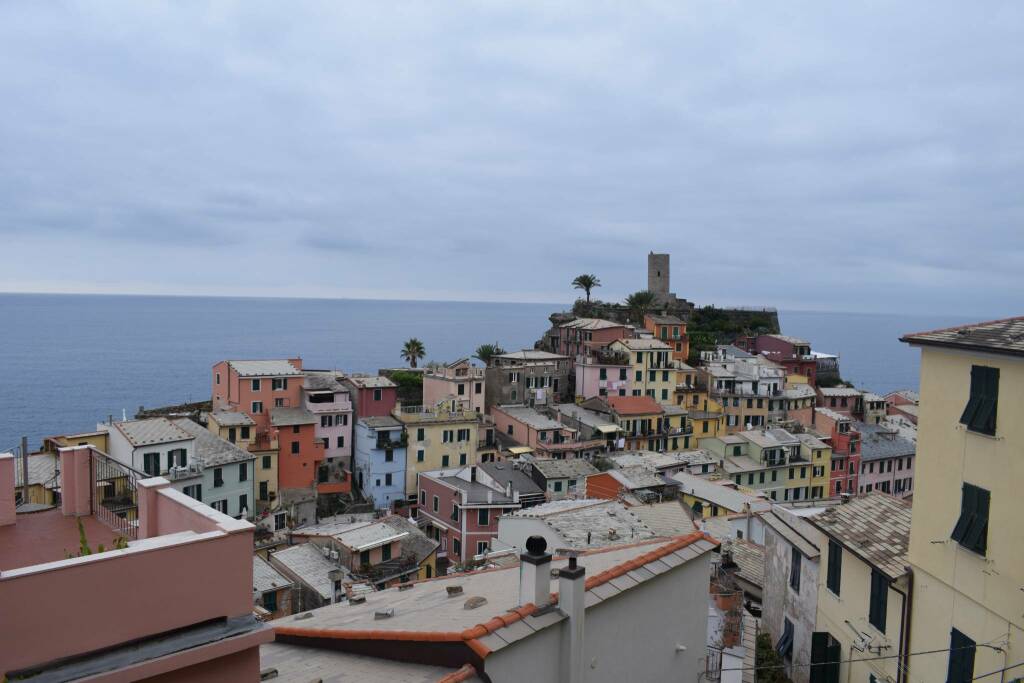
(633,405)
(995,336)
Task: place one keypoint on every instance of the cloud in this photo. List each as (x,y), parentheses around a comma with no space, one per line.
(850,157)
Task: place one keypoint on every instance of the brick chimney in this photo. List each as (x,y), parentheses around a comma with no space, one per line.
(535,573)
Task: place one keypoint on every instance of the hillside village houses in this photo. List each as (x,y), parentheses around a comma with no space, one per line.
(621,454)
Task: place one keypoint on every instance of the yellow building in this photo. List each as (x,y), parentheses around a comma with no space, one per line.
(786,467)
(240,429)
(652,372)
(863,593)
(819,455)
(967,540)
(439,438)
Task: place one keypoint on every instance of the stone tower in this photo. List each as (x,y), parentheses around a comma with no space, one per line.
(657,275)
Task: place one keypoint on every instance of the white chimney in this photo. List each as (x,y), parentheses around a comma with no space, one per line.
(535,573)
(571,602)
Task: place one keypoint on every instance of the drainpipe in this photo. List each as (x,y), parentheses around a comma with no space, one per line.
(903,671)
(571,596)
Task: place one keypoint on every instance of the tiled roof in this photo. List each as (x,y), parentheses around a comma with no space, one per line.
(381,422)
(370,381)
(590,522)
(769,438)
(831,414)
(307,562)
(634,405)
(590,324)
(476,493)
(749,558)
(504,473)
(635,477)
(840,392)
(152,431)
(584,416)
(875,527)
(664,319)
(795,530)
(263,368)
(697,456)
(720,494)
(227,418)
(798,391)
(562,469)
(210,449)
(284,417)
(530,417)
(319,380)
(908,394)
(796,341)
(266,578)
(532,354)
(879,442)
(995,336)
(644,344)
(669,518)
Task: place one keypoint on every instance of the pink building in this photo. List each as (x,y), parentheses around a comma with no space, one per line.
(460,381)
(547,437)
(372,395)
(838,431)
(887,461)
(792,353)
(174,603)
(583,336)
(903,403)
(255,387)
(331,405)
(460,512)
(605,373)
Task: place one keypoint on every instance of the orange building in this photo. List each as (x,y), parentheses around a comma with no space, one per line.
(672,331)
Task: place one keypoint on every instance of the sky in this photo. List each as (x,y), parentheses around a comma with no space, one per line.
(811,155)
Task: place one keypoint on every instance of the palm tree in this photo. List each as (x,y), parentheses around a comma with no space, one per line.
(413,351)
(586,283)
(640,303)
(485,352)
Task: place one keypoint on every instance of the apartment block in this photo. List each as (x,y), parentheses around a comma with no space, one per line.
(460,381)
(528,377)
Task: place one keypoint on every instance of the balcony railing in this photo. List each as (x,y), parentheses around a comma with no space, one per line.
(115,499)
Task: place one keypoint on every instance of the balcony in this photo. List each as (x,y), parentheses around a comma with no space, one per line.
(414,414)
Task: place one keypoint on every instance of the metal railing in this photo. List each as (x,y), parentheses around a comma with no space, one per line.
(114,494)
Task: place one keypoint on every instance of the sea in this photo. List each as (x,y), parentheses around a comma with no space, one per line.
(69,361)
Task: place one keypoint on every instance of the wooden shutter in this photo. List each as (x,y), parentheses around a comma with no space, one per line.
(835,566)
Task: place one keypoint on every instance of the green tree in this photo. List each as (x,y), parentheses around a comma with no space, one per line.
(485,352)
(586,283)
(640,303)
(413,351)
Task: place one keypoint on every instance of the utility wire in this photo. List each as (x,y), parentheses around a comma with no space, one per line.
(998,671)
(864,659)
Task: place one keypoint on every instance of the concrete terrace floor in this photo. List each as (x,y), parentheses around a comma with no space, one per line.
(48,536)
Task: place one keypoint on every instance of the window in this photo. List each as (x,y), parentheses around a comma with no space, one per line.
(279,403)
(462,389)
(794,569)
(457,547)
(603,373)
(622,374)
(364,558)
(445,460)
(220,506)
(279,521)
(385,553)
(341,442)
(194,491)
(325,420)
(961,658)
(558,486)
(436,502)
(423,497)
(270,601)
(218,477)
(513,378)
(483,517)
(420,454)
(389,455)
(267,462)
(639,375)
(481,547)
(387,479)
(478,387)
(257,407)
(462,458)
(245,432)
(295,447)
(971,530)
(243,503)
(217,375)
(447,436)
(980,413)
(784,647)
(463,435)
(243,471)
(255,385)
(826,653)
(835,567)
(279,384)
(264,490)
(879,600)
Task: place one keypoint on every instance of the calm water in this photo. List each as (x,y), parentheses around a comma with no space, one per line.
(69,361)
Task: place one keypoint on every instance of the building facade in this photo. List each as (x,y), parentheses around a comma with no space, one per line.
(380,460)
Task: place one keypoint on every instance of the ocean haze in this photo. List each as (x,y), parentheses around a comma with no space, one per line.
(69,361)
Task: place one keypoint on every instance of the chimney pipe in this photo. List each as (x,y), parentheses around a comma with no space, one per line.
(571,596)
(535,573)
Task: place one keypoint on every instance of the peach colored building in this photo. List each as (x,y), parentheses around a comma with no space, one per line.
(175,603)
(255,387)
(460,381)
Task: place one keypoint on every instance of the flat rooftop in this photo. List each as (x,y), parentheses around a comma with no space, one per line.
(48,536)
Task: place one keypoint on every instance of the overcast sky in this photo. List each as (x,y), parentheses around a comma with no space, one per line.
(852,156)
